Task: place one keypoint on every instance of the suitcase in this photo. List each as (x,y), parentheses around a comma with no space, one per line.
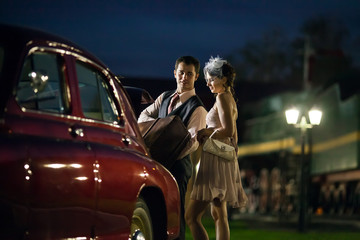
(165,138)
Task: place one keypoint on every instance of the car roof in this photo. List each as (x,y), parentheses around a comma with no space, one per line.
(19,36)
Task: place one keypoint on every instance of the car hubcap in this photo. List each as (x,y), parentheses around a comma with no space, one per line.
(138,235)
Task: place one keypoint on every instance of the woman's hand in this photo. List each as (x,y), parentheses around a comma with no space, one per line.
(203,134)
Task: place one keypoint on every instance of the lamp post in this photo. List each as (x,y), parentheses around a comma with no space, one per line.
(292,116)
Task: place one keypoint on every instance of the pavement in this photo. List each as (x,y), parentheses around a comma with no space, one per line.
(290,222)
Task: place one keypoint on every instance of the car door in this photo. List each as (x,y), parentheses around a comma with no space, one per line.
(115,146)
(59,162)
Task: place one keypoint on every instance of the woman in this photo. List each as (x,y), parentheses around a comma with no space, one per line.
(218,181)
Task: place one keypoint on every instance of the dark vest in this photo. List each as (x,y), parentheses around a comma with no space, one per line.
(184,111)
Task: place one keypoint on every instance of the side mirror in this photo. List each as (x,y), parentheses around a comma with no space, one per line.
(139,98)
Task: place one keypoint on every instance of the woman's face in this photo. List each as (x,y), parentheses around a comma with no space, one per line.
(215,84)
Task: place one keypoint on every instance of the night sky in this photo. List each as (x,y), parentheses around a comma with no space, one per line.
(144,38)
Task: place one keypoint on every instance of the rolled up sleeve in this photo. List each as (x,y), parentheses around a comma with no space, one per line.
(152,111)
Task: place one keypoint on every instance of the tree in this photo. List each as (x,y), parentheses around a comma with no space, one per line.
(270,59)
(313,60)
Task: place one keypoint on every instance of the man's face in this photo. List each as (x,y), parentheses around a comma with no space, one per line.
(185,77)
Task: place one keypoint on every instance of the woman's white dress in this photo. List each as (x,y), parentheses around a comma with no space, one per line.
(217,177)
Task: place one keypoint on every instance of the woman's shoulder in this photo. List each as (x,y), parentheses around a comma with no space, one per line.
(226,100)
(225,96)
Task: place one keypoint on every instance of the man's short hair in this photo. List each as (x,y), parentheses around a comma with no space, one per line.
(188,60)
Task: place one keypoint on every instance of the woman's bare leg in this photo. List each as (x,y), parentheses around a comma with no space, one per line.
(219,214)
(193,215)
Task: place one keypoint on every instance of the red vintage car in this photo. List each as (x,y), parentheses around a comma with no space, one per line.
(73,164)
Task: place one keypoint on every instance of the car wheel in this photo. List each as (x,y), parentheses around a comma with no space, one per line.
(141,225)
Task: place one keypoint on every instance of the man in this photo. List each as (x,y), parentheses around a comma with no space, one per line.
(187,105)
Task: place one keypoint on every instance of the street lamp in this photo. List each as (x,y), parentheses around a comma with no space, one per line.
(292,117)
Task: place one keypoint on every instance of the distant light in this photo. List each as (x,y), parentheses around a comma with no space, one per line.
(292,116)
(315,116)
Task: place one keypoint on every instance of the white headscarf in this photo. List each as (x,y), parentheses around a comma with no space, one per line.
(214,66)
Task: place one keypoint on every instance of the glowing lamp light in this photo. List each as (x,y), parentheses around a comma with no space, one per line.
(292,116)
(315,116)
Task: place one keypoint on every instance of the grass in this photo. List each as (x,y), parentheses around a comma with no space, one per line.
(241,230)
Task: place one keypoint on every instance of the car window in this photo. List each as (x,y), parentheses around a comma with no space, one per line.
(42,83)
(97,101)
